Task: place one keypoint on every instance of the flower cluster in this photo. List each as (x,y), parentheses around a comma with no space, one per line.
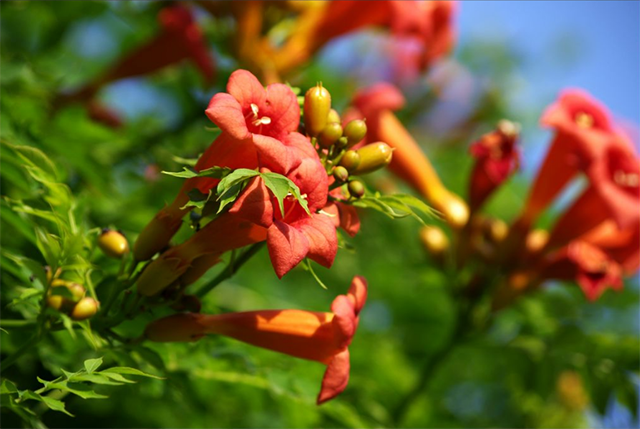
(265,181)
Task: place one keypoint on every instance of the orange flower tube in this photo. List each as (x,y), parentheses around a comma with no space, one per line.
(317,336)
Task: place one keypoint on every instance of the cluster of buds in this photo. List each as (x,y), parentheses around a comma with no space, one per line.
(262,142)
(337,146)
(69,298)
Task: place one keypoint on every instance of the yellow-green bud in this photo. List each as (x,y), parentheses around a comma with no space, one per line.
(113,243)
(434,240)
(317,105)
(330,135)
(356,188)
(333,117)
(373,157)
(84,309)
(342,142)
(350,160)
(61,302)
(355,131)
(340,174)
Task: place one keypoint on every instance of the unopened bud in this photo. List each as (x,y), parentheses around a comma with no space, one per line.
(113,243)
(64,299)
(342,142)
(340,174)
(317,105)
(198,268)
(330,135)
(161,273)
(373,157)
(355,131)
(333,117)
(175,328)
(455,211)
(497,230)
(434,240)
(155,236)
(350,160)
(84,309)
(571,391)
(356,188)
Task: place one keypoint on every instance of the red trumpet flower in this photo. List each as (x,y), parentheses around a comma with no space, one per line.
(322,337)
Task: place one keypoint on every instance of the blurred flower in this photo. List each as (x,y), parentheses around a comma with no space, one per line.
(583,133)
(377,104)
(497,158)
(585,263)
(622,245)
(571,391)
(322,337)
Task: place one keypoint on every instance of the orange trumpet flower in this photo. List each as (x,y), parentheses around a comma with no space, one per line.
(321,337)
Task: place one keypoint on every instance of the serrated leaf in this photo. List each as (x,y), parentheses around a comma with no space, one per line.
(92,364)
(229,196)
(77,389)
(8,388)
(191,162)
(197,199)
(281,187)
(49,247)
(235,177)
(396,206)
(53,404)
(26,295)
(117,377)
(129,371)
(188,173)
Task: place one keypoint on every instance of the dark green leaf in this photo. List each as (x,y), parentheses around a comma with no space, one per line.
(7,387)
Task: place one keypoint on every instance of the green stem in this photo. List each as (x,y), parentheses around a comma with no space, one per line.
(17,323)
(230,269)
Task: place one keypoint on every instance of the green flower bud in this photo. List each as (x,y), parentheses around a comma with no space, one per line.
(317,104)
(373,157)
(333,117)
(350,160)
(84,309)
(342,142)
(113,243)
(355,131)
(356,188)
(340,174)
(330,135)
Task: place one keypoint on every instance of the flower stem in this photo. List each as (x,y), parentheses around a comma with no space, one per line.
(230,269)
(17,323)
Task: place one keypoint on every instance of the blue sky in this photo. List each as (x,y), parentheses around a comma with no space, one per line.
(604,36)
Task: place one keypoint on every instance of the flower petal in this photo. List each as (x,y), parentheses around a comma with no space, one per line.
(336,377)
(226,112)
(345,320)
(287,247)
(274,155)
(321,234)
(358,293)
(246,89)
(282,107)
(254,204)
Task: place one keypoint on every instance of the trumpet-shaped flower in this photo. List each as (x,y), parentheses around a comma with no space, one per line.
(583,133)
(321,337)
(376,104)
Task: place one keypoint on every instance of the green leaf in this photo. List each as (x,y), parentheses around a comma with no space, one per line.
(191,162)
(8,388)
(129,371)
(235,177)
(188,173)
(49,247)
(151,356)
(116,377)
(92,364)
(77,389)
(95,378)
(229,196)
(53,404)
(37,159)
(282,187)
(397,206)
(197,199)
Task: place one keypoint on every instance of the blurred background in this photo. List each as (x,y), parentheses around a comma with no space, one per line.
(551,360)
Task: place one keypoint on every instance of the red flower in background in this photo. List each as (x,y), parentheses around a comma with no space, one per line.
(497,158)
(322,337)
(623,246)
(583,133)
(592,268)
